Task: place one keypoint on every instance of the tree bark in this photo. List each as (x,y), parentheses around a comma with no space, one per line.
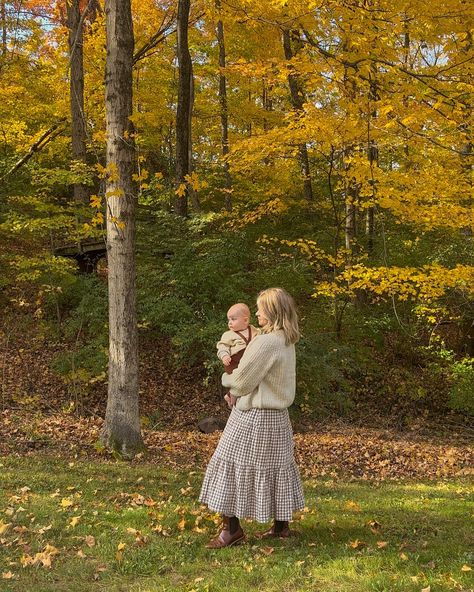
(224,113)
(193,194)
(297,101)
(121,431)
(183,119)
(3,17)
(75,23)
(350,226)
(373,153)
(466,150)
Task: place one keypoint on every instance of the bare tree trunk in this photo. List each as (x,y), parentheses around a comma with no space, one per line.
(3,17)
(193,194)
(467,146)
(224,113)
(351,190)
(350,227)
(406,61)
(266,104)
(121,431)
(373,154)
(184,105)
(249,129)
(75,23)
(297,101)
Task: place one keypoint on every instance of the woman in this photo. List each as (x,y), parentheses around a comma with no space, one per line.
(252,473)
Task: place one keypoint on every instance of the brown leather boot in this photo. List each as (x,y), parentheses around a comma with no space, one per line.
(225,538)
(279,530)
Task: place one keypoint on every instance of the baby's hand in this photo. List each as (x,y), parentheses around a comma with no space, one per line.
(230,399)
(226,360)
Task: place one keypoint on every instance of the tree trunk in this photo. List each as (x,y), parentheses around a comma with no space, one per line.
(351,189)
(224,113)
(350,227)
(467,143)
(121,431)
(193,194)
(373,153)
(267,104)
(184,106)
(406,62)
(75,23)
(297,101)
(3,17)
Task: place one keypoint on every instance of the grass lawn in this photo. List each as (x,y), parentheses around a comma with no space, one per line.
(105,526)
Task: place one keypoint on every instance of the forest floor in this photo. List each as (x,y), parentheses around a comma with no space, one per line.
(387,509)
(36,417)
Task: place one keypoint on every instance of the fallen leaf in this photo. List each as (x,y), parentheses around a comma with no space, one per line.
(133,531)
(356,544)
(427,589)
(374,526)
(381,544)
(45,528)
(403,556)
(45,557)
(267,550)
(89,540)
(119,554)
(466,568)
(8,575)
(350,505)
(74,521)
(26,560)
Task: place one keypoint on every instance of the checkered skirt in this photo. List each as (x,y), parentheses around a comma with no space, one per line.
(252,473)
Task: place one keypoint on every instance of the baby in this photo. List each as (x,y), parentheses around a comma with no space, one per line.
(232,344)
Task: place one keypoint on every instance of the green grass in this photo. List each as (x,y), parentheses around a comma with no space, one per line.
(427,528)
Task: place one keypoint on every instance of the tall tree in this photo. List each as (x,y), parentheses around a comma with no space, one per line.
(224,111)
(121,430)
(75,24)
(3,17)
(292,38)
(183,119)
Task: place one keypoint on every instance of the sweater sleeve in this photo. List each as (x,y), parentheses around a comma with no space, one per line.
(224,345)
(254,366)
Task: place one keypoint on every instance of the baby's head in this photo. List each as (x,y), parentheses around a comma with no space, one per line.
(238,317)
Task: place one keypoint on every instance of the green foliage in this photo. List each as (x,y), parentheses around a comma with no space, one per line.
(44,270)
(185,293)
(84,306)
(461,394)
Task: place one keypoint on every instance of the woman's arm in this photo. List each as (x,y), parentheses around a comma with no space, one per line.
(257,360)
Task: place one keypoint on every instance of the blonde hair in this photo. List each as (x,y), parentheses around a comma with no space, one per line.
(280,310)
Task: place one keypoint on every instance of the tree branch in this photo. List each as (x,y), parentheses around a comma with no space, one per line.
(44,139)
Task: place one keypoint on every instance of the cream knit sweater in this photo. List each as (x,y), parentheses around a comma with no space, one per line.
(266,376)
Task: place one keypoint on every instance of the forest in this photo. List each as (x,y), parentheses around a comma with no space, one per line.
(162,160)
